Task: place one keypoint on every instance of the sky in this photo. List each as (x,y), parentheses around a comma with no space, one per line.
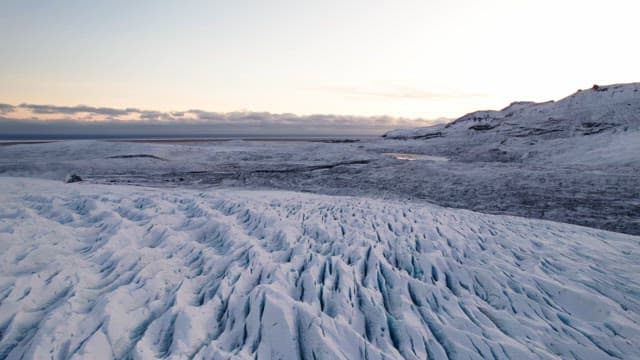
(422,59)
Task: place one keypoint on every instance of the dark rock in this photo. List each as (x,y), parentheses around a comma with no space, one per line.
(482,127)
(71,178)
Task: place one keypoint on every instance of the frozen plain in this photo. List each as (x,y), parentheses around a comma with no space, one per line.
(193,251)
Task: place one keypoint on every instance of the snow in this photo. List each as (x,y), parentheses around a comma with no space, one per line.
(98,271)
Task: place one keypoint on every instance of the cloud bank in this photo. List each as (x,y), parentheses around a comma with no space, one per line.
(32,120)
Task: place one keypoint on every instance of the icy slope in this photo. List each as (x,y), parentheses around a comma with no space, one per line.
(90,271)
(600,125)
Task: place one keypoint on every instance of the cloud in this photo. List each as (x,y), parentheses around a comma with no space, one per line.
(6,108)
(72,110)
(84,120)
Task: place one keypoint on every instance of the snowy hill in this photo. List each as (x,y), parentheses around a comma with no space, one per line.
(563,130)
(100,272)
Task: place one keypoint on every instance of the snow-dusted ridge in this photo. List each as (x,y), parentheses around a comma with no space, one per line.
(91,271)
(612,108)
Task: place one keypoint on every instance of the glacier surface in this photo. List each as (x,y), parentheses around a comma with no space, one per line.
(101,272)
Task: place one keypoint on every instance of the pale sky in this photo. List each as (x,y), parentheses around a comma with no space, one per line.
(404,58)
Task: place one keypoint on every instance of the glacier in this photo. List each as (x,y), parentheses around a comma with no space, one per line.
(112,271)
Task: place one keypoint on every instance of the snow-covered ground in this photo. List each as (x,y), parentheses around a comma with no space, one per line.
(598,189)
(97,271)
